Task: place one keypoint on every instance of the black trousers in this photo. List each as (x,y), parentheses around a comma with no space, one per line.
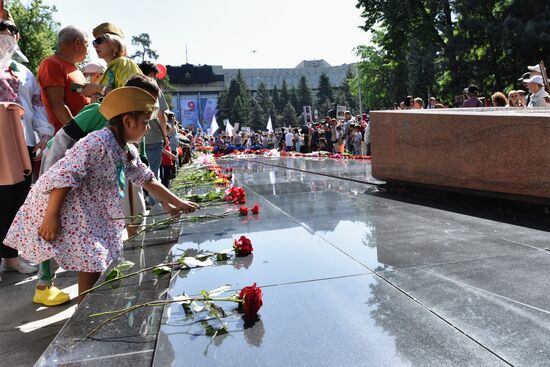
(11,197)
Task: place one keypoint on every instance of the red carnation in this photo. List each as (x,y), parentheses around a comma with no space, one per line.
(256,209)
(235,195)
(243,210)
(252,297)
(242,246)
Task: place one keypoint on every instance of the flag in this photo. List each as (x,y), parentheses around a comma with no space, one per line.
(228,129)
(269,125)
(214,125)
(199,126)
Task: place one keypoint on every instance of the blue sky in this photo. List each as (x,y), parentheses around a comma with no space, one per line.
(226,32)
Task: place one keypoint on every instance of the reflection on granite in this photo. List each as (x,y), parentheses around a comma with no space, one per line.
(339,322)
(516,330)
(350,276)
(295,256)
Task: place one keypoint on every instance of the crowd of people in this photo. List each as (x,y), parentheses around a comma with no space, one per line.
(532,81)
(335,135)
(79,147)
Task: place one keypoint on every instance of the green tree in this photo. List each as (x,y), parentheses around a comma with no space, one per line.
(293,99)
(303,94)
(421,68)
(224,107)
(264,99)
(256,116)
(325,95)
(376,73)
(38,30)
(240,113)
(143,42)
(234,103)
(344,96)
(276,99)
(284,97)
(441,46)
(289,117)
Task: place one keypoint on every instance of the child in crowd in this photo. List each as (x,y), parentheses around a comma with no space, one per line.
(77,200)
(167,167)
(357,139)
(86,121)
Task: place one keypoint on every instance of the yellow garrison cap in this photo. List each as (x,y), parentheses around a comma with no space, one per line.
(6,15)
(127,99)
(107,28)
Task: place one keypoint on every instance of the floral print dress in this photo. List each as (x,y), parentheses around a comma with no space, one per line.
(89,237)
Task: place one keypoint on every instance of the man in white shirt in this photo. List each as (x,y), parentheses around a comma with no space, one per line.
(289,140)
(539,97)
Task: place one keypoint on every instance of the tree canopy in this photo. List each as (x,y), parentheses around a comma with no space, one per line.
(38,30)
(143,42)
(438,47)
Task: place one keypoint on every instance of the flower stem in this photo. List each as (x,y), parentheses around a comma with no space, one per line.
(120,313)
(127,276)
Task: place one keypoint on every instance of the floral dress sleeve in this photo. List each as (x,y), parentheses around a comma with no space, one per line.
(72,170)
(137,171)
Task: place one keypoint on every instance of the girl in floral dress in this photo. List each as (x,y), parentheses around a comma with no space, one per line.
(74,203)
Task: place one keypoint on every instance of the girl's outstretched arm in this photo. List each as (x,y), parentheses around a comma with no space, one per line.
(49,229)
(164,195)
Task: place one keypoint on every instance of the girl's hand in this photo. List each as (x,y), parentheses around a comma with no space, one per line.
(169,208)
(186,206)
(49,229)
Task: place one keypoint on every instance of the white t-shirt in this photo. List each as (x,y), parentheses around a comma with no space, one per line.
(35,118)
(288,139)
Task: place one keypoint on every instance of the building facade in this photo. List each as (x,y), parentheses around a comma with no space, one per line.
(196,88)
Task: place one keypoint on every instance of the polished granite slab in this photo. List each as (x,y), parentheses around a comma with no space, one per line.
(352,321)
(514,328)
(351,276)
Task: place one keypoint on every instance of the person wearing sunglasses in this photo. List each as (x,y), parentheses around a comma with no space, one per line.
(8,25)
(18,88)
(109,46)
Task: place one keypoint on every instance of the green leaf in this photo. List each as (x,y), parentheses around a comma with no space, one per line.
(125,265)
(204,293)
(208,329)
(221,257)
(217,309)
(187,309)
(115,273)
(159,271)
(224,254)
(212,331)
(222,331)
